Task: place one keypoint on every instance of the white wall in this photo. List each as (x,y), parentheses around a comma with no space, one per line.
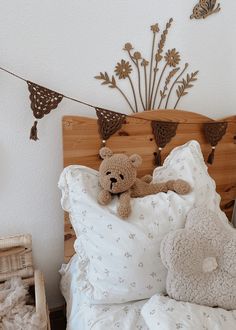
(62,45)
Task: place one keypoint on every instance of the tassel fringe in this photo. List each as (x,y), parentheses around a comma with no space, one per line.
(157,157)
(34,132)
(211,156)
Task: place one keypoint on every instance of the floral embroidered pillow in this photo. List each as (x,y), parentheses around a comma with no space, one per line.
(119,261)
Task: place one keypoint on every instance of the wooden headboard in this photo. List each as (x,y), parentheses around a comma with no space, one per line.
(81,143)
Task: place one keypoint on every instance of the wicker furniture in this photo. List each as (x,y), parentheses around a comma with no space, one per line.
(16,260)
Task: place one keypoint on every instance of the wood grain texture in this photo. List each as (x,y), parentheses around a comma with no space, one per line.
(81,143)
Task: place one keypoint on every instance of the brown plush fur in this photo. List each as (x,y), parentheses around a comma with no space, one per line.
(117,175)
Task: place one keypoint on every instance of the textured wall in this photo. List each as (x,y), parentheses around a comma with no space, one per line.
(63,44)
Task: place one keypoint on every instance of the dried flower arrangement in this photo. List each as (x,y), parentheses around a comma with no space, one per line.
(152,87)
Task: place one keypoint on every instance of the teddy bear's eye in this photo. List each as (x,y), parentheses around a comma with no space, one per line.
(108,173)
(122,177)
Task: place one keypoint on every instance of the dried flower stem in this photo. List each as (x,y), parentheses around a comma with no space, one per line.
(185,84)
(139,78)
(139,85)
(162,97)
(177,101)
(161,45)
(126,98)
(181,73)
(157,88)
(168,79)
(150,73)
(112,84)
(135,100)
(154,80)
(146,91)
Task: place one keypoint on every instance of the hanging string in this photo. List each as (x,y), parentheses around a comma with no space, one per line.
(92,105)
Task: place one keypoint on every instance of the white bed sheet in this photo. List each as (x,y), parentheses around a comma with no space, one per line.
(81,315)
(164,313)
(156,313)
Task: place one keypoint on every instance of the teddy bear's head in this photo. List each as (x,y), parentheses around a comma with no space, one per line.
(117,173)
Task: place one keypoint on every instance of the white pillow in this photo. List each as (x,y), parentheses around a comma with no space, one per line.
(186,162)
(80,314)
(120,260)
(163,313)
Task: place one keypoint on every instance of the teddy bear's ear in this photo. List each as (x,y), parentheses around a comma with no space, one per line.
(105,152)
(136,160)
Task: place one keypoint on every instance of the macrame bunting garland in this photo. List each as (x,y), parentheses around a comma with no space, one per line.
(214,133)
(109,122)
(43,100)
(163,132)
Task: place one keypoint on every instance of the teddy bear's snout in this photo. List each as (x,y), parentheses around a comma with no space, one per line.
(113,180)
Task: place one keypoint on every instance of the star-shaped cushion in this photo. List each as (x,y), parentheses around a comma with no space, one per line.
(201,261)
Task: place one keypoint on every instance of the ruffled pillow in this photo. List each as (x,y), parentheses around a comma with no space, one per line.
(119,261)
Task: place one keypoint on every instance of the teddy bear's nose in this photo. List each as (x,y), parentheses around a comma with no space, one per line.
(113,180)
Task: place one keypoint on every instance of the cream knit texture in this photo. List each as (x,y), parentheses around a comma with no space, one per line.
(201,261)
(117,175)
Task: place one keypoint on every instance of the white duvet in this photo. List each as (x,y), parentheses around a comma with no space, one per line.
(123,263)
(156,313)
(81,315)
(163,313)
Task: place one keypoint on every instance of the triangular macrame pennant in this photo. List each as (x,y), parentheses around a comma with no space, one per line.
(214,133)
(163,132)
(43,100)
(109,122)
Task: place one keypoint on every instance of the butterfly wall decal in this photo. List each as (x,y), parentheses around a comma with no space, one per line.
(205,8)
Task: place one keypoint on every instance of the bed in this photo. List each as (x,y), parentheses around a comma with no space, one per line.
(81,144)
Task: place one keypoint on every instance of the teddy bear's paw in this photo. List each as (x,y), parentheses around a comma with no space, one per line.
(181,187)
(104,197)
(170,184)
(161,187)
(147,178)
(124,211)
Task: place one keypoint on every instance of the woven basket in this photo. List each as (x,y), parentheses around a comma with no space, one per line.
(16,260)
(16,257)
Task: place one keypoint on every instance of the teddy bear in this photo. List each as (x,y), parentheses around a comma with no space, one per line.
(118,175)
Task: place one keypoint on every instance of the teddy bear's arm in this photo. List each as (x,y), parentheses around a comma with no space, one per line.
(179,186)
(104,197)
(142,188)
(146,178)
(124,207)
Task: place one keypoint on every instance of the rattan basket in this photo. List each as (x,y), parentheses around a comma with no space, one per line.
(16,260)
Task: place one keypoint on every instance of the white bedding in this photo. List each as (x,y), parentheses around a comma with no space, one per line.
(163,313)
(118,261)
(81,315)
(156,313)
